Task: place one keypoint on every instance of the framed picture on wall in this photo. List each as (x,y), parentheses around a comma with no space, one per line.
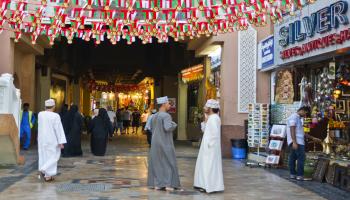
(340,106)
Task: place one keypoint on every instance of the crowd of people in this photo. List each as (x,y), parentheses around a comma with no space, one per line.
(60,134)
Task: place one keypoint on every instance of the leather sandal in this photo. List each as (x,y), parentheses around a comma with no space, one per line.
(49,179)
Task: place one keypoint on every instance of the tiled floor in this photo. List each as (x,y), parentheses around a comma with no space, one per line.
(122,174)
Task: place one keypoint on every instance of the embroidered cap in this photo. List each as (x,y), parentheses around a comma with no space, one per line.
(212,103)
(50,103)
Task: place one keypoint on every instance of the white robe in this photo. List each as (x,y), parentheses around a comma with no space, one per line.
(208,173)
(50,135)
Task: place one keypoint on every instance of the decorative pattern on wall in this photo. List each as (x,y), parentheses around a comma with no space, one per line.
(247,48)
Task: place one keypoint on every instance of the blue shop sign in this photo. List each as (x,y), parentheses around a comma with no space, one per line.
(267,52)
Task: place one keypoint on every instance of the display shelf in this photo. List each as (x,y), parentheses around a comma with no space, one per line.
(258,125)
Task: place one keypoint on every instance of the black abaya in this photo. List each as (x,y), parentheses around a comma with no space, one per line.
(100,128)
(73,127)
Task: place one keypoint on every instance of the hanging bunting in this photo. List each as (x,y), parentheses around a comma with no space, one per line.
(144,19)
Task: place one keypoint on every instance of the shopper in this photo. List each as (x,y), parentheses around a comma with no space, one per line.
(126,119)
(111,115)
(148,127)
(73,127)
(296,143)
(162,168)
(144,118)
(27,121)
(95,113)
(119,119)
(208,176)
(100,128)
(50,140)
(135,121)
(64,111)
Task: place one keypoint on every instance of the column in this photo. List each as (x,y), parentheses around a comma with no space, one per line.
(182,110)
(86,102)
(76,94)
(43,86)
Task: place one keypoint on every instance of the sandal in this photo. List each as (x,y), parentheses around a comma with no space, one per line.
(41,176)
(169,189)
(160,188)
(179,189)
(49,179)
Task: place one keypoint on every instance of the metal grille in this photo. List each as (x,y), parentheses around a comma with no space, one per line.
(76,187)
(246,68)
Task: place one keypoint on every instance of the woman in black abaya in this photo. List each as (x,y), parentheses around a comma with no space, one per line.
(73,126)
(101,128)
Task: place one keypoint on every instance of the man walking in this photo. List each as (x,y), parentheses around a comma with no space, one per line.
(51,138)
(296,143)
(119,119)
(162,168)
(144,118)
(126,119)
(27,121)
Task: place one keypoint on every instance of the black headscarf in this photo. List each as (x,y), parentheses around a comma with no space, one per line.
(103,116)
(70,116)
(64,111)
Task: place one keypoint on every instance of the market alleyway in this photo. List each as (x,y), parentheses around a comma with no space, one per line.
(122,174)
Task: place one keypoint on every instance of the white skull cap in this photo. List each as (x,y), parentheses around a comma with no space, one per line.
(212,103)
(162,100)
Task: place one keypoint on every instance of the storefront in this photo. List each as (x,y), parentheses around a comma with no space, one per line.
(312,68)
(193,77)
(139,96)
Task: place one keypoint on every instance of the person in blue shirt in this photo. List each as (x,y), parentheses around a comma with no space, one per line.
(27,121)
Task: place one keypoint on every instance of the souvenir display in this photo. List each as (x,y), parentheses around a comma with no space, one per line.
(278,131)
(272,159)
(280,112)
(284,90)
(275,145)
(258,125)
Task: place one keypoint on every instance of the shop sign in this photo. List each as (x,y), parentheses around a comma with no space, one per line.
(195,73)
(318,28)
(266,53)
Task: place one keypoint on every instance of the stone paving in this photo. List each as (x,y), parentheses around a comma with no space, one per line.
(122,174)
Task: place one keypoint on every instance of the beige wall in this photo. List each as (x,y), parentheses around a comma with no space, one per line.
(263,78)
(24,64)
(6,53)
